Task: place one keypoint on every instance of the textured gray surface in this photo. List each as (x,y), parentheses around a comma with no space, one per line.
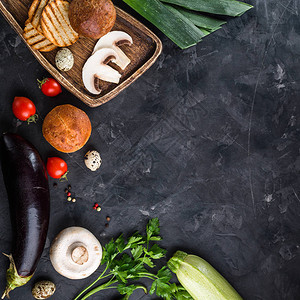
(207,140)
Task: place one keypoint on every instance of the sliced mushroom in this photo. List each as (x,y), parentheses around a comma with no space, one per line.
(113,40)
(75,253)
(95,67)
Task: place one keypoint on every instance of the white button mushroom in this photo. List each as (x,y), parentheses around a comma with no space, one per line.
(95,67)
(113,40)
(92,160)
(64,59)
(75,253)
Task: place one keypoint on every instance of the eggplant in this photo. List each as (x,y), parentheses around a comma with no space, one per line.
(26,182)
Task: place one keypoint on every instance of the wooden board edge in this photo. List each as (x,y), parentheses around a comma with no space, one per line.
(92,102)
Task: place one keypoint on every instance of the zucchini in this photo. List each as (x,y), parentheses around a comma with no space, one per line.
(218,7)
(200,279)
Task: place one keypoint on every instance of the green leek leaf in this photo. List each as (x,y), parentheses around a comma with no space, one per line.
(173,24)
(219,7)
(201,20)
(205,31)
(176,12)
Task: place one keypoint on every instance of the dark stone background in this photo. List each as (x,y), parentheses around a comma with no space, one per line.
(207,140)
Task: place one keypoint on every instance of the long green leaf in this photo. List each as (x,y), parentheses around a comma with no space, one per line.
(201,20)
(178,14)
(207,32)
(219,7)
(204,31)
(179,29)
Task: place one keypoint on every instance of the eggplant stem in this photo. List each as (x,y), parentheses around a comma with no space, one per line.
(13,279)
(6,293)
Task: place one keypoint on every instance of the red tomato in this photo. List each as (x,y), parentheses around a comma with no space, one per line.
(57,167)
(24,109)
(50,87)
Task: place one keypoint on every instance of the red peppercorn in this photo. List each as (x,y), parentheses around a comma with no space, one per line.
(69,194)
(96,204)
(94,207)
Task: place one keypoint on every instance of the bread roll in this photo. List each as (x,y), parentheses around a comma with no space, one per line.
(67,128)
(92,18)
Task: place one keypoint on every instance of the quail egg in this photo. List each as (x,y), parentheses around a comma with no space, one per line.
(43,289)
(64,59)
(92,160)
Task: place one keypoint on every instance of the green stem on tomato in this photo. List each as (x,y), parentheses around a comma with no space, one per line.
(64,177)
(32,119)
(100,277)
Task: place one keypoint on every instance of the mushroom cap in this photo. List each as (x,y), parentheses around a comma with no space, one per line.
(75,253)
(113,40)
(95,67)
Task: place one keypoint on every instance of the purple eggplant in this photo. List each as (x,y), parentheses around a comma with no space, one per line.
(27,188)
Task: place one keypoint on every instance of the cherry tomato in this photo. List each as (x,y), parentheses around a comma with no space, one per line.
(50,87)
(57,168)
(24,109)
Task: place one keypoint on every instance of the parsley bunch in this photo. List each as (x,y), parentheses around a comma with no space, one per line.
(127,261)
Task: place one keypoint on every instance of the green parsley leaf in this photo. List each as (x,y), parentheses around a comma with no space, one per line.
(130,259)
(109,252)
(179,292)
(183,295)
(120,243)
(136,240)
(156,252)
(129,289)
(155,238)
(152,228)
(137,252)
(164,274)
(147,260)
(161,285)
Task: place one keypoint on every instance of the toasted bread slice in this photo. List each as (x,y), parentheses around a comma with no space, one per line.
(36,40)
(56,25)
(35,12)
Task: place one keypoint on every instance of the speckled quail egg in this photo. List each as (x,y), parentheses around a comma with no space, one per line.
(64,59)
(92,160)
(43,289)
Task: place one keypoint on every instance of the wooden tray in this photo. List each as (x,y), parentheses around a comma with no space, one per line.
(143,53)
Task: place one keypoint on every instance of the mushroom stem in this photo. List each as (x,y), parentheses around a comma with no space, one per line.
(80,255)
(113,40)
(96,66)
(122,60)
